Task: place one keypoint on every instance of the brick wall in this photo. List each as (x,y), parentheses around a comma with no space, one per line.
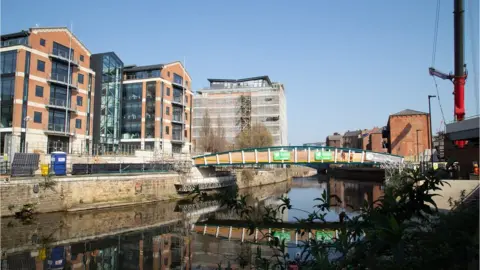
(82,192)
(375,143)
(403,134)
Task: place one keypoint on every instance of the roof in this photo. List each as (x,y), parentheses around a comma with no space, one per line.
(376,130)
(334,137)
(352,133)
(408,112)
(265,77)
(22,33)
(141,68)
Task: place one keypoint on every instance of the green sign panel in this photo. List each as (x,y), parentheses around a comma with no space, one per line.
(323,155)
(281,155)
(282,235)
(324,236)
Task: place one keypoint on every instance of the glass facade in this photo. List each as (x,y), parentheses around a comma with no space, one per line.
(110,103)
(8,62)
(6,106)
(56,121)
(150,110)
(131,111)
(144,74)
(62,51)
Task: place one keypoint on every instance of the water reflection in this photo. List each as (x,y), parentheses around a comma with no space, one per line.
(157,236)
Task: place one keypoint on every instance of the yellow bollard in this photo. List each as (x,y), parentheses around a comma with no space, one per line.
(44,169)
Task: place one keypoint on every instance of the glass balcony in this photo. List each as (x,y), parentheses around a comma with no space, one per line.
(177,118)
(60,104)
(62,80)
(58,129)
(15,41)
(177,136)
(178,100)
(63,56)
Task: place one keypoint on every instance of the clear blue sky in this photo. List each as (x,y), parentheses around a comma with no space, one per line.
(345,64)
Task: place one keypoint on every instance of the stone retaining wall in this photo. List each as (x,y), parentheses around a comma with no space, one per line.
(84,192)
(252,178)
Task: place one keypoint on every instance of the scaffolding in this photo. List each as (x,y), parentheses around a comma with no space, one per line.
(241,108)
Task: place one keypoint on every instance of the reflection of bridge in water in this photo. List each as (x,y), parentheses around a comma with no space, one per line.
(146,236)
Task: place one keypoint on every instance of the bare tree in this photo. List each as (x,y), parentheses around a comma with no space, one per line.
(255,136)
(212,139)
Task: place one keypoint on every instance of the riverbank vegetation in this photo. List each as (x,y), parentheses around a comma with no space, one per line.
(401,230)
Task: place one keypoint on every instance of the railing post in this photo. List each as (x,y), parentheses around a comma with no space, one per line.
(218,161)
(322,154)
(363,157)
(243,234)
(348,158)
(230,157)
(295,154)
(256,235)
(216,233)
(204,229)
(256,156)
(230,233)
(243,157)
(269,158)
(204,160)
(308,155)
(335,161)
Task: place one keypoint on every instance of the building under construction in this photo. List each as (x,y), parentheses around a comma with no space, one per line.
(239,104)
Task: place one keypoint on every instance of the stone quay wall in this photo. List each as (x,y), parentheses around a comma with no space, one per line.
(72,193)
(253,178)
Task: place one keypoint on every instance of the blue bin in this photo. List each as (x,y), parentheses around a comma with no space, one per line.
(59,163)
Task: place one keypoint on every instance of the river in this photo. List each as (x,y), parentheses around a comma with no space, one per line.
(159,235)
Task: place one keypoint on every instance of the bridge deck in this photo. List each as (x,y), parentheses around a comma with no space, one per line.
(295,155)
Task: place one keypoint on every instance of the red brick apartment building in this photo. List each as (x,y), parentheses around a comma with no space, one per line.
(47,89)
(157,107)
(407,133)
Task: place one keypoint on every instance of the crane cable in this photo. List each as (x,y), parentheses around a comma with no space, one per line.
(434,53)
(474,51)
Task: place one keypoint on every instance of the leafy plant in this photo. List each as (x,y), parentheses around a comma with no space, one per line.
(403,229)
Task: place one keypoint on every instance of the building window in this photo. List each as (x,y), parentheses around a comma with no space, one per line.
(167,110)
(37,117)
(186,82)
(80,78)
(186,117)
(82,58)
(186,133)
(168,91)
(168,74)
(78,123)
(79,101)
(40,65)
(39,91)
(42,42)
(186,99)
(177,79)
(8,62)
(167,130)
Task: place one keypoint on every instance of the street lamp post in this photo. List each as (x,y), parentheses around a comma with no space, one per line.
(25,146)
(430,143)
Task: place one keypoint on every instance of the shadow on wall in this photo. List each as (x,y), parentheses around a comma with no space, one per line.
(401,136)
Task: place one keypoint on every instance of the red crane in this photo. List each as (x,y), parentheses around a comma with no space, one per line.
(460,75)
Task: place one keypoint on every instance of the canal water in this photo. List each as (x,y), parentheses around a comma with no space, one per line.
(161,235)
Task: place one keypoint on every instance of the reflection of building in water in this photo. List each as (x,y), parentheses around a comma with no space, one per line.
(138,250)
(352,194)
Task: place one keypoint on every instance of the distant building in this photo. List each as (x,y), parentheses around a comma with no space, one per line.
(351,139)
(240,103)
(407,133)
(334,140)
(375,141)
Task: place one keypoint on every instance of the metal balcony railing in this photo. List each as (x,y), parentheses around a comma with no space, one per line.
(14,42)
(177,137)
(62,103)
(60,128)
(177,118)
(62,79)
(63,55)
(178,99)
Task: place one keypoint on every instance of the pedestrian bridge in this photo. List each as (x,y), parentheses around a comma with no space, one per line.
(307,155)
